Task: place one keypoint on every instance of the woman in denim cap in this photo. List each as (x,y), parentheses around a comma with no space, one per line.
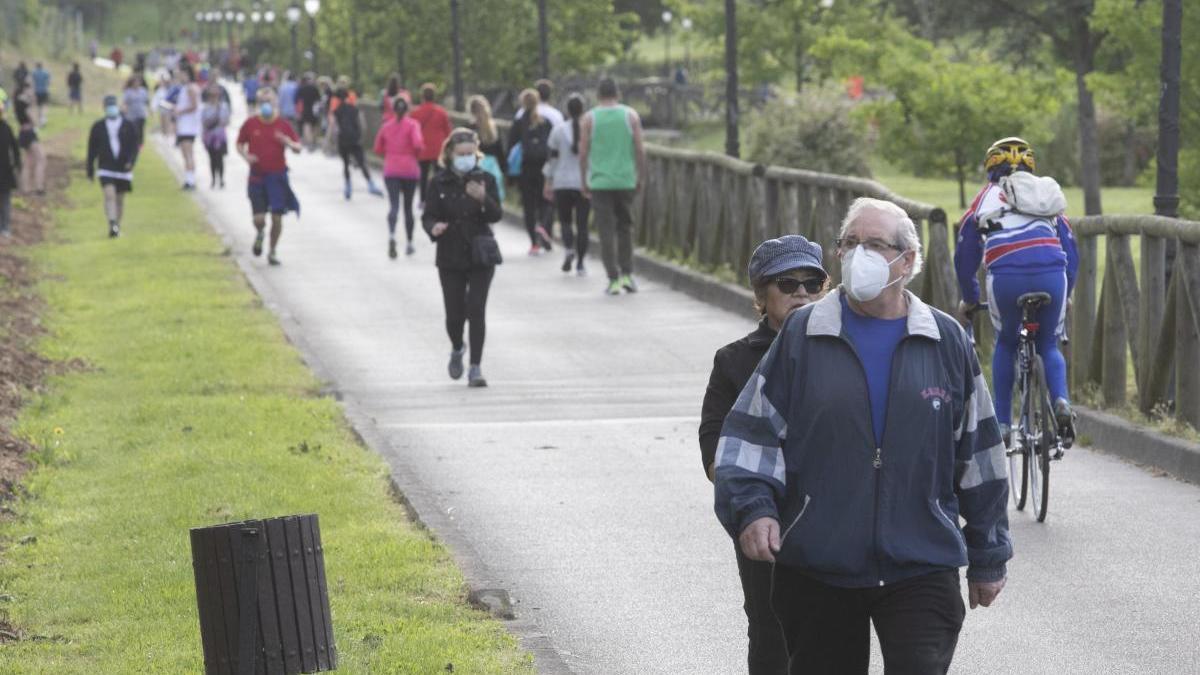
(786,274)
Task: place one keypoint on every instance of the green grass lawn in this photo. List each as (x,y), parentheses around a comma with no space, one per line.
(196,411)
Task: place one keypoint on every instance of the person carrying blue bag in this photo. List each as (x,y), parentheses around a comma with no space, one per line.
(1016,228)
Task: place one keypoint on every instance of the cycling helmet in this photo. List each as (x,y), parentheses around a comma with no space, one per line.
(1013,151)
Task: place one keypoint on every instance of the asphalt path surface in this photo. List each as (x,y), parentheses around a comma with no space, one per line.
(575,476)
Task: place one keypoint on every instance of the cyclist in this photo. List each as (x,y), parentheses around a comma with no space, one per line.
(1024,254)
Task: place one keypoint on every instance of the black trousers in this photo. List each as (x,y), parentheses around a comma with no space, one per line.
(216,163)
(573,212)
(428,167)
(395,186)
(353,151)
(536,209)
(465,294)
(768,653)
(828,628)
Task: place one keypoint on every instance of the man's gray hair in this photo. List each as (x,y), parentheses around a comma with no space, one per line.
(906,232)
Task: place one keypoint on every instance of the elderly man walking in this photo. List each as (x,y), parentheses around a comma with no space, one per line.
(867,432)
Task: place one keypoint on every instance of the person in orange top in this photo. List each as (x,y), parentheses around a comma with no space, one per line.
(435,129)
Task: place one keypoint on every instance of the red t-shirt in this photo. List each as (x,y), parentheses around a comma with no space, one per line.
(435,127)
(260,136)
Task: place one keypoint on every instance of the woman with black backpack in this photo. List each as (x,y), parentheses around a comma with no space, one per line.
(461,203)
(532,132)
(347,121)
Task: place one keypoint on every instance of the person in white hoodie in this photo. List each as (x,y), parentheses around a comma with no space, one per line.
(564,186)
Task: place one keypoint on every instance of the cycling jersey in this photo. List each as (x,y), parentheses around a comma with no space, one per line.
(1015,243)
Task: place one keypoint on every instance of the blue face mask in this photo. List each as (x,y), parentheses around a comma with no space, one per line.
(111,112)
(266,110)
(464,163)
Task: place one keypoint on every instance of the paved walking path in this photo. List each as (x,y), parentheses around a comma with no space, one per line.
(576,477)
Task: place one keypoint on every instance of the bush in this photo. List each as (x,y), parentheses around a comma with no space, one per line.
(815,131)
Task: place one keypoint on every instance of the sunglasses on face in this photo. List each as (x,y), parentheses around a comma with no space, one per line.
(789,285)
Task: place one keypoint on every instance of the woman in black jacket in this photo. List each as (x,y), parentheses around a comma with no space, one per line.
(786,274)
(461,204)
(10,168)
(113,145)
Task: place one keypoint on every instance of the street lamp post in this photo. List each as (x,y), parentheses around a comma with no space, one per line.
(199,28)
(255,18)
(229,17)
(312,7)
(354,43)
(458,83)
(293,18)
(666,17)
(543,40)
(241,22)
(686,25)
(732,147)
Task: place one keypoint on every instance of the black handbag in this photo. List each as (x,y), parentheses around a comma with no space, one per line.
(485,251)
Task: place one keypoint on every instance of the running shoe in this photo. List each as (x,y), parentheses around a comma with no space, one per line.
(580,270)
(114,230)
(347,191)
(409,249)
(258,243)
(535,250)
(614,287)
(543,237)
(272,259)
(475,377)
(628,284)
(456,364)
(374,189)
(392,249)
(568,261)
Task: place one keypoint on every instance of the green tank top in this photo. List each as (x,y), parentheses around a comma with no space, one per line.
(611,162)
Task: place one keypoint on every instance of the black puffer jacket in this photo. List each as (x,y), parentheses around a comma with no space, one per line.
(447,201)
(732,367)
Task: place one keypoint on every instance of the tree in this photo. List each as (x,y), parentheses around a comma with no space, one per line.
(1067,25)
(937,115)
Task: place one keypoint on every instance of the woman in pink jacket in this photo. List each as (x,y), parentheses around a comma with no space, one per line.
(398,142)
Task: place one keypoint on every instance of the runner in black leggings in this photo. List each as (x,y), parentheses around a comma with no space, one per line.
(348,121)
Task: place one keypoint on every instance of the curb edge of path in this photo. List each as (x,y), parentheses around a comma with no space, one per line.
(417,500)
(1116,436)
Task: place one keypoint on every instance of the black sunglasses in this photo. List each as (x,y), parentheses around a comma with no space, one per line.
(789,285)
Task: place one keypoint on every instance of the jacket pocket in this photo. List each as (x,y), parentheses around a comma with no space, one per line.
(950,523)
(795,521)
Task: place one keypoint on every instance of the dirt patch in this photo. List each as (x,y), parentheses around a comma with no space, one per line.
(22,369)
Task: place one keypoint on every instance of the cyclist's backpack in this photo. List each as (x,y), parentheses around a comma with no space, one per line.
(535,143)
(1033,195)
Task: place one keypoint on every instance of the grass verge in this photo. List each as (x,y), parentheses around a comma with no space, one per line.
(196,411)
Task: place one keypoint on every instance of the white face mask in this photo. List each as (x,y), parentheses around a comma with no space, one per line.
(865,273)
(464,163)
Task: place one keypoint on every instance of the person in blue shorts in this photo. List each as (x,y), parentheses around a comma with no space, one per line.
(263,141)
(1023,253)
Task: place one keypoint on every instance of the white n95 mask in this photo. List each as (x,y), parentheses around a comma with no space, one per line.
(865,273)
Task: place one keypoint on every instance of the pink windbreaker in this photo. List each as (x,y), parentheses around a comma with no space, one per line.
(399,142)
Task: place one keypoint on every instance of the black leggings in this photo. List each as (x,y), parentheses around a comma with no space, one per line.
(572,203)
(354,152)
(395,186)
(428,167)
(216,163)
(465,294)
(537,210)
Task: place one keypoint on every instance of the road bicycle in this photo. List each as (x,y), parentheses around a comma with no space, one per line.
(1035,439)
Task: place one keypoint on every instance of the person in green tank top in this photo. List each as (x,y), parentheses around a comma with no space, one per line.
(612,161)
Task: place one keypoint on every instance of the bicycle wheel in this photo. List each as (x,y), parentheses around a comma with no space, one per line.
(1018,474)
(1046,431)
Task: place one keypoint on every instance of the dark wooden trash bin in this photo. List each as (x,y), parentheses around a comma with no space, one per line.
(264,604)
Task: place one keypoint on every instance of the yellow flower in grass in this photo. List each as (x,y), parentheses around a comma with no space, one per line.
(58,431)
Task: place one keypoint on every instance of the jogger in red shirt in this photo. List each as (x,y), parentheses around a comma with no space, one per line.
(262,141)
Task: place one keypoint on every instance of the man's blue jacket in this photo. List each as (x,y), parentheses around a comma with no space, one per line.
(799,447)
